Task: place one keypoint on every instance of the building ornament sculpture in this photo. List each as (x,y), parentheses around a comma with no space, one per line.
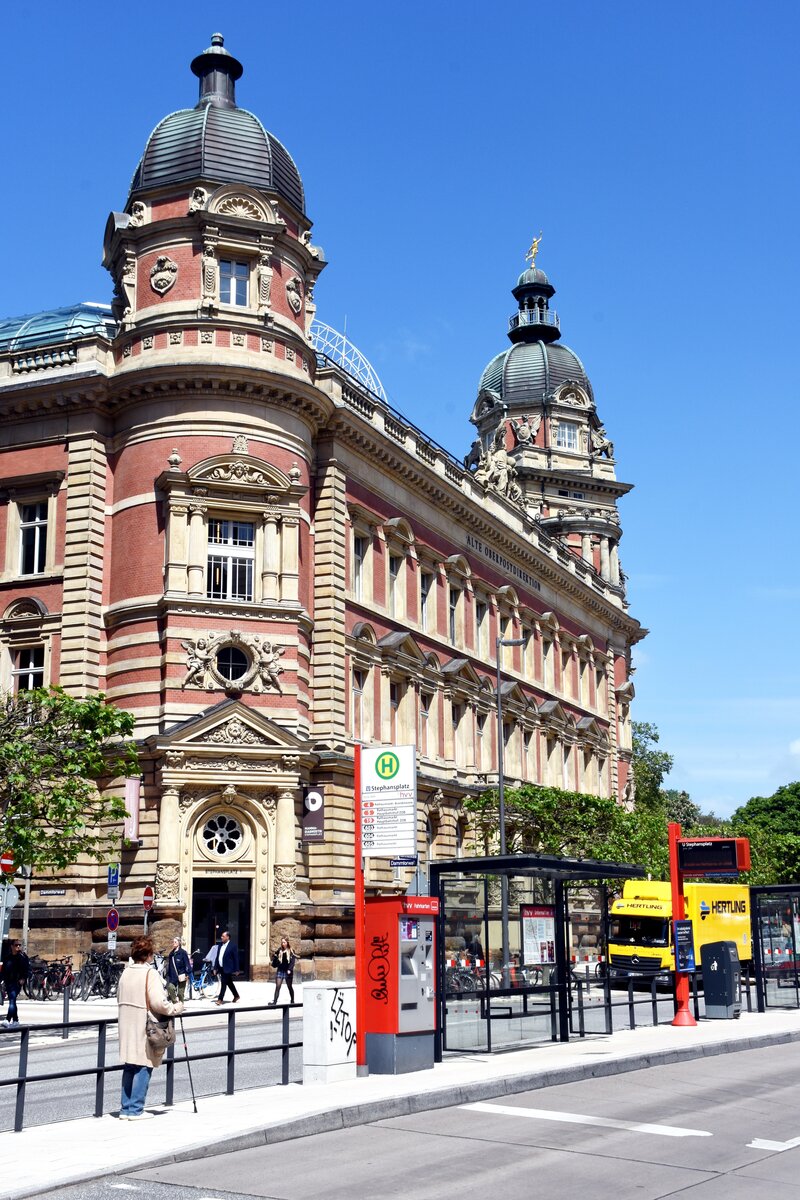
(236,733)
(198,199)
(138,214)
(262,672)
(209,273)
(163,274)
(497,471)
(525,429)
(601,443)
(284,887)
(240,206)
(239,472)
(293,294)
(167,881)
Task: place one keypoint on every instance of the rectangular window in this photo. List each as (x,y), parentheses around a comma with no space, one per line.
(457,712)
(359,563)
(28,671)
(567,435)
(480,626)
(231,553)
(424,721)
(395,563)
(480,740)
(359,687)
(425,598)
(394,711)
(234,278)
(33,537)
(453,613)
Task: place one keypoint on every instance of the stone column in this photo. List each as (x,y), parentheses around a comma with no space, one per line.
(285,869)
(290,557)
(168,868)
(614,564)
(605,569)
(197,547)
(271,570)
(176,548)
(586,547)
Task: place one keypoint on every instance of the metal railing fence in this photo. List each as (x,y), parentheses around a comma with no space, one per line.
(101,1068)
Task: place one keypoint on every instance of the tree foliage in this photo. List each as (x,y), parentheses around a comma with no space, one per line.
(547,820)
(650,765)
(54,749)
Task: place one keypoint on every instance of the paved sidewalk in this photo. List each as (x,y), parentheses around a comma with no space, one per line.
(43,1158)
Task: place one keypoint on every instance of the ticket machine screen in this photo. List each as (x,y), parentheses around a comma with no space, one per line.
(409,929)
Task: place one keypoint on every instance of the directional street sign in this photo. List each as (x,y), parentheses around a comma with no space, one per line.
(112,890)
(148,898)
(7,863)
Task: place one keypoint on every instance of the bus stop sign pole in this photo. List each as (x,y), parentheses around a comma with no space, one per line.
(683,1014)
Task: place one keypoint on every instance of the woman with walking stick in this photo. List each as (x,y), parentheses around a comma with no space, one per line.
(141,996)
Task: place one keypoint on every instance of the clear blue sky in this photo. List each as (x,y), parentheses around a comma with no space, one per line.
(656,147)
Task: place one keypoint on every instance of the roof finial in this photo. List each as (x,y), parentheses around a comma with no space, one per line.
(217,71)
(534,250)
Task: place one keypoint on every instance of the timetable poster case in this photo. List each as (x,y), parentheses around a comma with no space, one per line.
(538,934)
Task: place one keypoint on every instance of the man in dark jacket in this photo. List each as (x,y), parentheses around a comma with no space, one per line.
(178,968)
(15,972)
(227,966)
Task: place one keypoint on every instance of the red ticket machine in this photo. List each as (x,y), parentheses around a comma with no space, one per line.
(400,983)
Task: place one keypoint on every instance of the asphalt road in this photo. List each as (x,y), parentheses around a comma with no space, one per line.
(73,1097)
(722,1128)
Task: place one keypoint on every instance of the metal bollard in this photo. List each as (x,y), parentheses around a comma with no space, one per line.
(229,1087)
(285,1048)
(101,1072)
(19,1112)
(65,1016)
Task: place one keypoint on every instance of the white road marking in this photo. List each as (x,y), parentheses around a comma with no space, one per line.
(779,1147)
(126,1187)
(543,1114)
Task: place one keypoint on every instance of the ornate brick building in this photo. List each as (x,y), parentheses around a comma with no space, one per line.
(208,516)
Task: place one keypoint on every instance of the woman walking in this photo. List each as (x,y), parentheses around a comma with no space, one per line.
(178,968)
(283,960)
(141,989)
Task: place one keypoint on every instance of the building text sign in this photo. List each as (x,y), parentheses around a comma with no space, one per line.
(389,801)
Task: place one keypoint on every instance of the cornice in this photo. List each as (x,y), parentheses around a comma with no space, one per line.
(350,429)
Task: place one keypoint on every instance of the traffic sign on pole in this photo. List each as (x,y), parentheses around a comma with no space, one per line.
(112,888)
(7,863)
(112,920)
(148,898)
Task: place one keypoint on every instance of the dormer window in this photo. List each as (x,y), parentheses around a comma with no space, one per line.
(567,435)
(234,279)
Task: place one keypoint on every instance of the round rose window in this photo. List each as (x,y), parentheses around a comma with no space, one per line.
(222,835)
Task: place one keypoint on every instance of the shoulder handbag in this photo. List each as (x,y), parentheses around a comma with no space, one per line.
(159,1031)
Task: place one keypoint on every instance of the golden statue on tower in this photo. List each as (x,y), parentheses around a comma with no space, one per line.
(534,250)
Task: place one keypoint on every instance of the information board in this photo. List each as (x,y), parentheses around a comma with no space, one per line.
(538,934)
(710,856)
(389,801)
(684,946)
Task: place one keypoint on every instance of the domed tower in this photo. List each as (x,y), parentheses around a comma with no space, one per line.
(541,442)
(214,228)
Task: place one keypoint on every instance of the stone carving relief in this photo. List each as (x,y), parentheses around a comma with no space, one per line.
(601,444)
(263,668)
(240,444)
(138,214)
(572,399)
(285,880)
(174,759)
(241,206)
(163,274)
(293,294)
(497,471)
(525,429)
(198,199)
(167,881)
(209,273)
(473,457)
(238,472)
(23,610)
(236,733)
(264,282)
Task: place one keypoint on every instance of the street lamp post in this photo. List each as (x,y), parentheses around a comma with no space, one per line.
(501,797)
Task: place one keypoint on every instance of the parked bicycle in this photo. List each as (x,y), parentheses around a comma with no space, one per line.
(99,975)
(202,979)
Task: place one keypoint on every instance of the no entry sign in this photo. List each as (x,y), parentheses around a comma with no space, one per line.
(148,898)
(7,863)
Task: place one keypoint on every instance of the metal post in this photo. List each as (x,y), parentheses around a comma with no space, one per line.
(501,806)
(101,1069)
(169,1087)
(22,1073)
(362,1069)
(562,964)
(229,1086)
(65,1014)
(285,1046)
(26,909)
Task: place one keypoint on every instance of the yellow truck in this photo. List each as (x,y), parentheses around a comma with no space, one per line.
(640,939)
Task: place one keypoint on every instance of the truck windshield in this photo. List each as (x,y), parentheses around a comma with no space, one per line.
(639,931)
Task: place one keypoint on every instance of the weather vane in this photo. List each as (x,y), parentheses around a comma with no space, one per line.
(534,250)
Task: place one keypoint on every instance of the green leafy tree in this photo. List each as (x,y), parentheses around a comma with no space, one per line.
(680,807)
(650,765)
(778,813)
(54,750)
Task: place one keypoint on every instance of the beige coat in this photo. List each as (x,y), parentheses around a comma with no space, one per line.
(134,1047)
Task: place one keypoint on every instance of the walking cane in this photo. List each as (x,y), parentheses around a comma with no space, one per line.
(188,1064)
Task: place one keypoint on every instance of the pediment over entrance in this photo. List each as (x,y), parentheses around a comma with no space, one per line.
(231,733)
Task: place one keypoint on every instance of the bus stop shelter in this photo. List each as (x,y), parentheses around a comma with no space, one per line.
(498,992)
